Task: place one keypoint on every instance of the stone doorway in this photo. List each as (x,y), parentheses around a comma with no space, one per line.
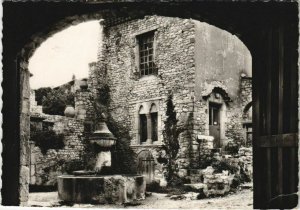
(146,165)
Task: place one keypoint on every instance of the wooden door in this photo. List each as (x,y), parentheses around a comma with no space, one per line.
(214,123)
(146,165)
(275,96)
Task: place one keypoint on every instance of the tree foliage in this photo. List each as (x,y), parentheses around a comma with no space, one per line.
(56,101)
(46,140)
(40,93)
(171,141)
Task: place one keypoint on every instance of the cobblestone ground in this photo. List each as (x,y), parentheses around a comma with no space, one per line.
(239,200)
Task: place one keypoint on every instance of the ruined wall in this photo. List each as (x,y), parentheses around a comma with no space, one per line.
(34,108)
(46,167)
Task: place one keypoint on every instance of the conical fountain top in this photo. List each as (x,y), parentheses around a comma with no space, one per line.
(102,135)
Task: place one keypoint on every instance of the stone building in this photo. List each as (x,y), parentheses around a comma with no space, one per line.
(206,69)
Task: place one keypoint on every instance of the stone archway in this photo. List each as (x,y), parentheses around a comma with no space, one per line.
(24,56)
(265,32)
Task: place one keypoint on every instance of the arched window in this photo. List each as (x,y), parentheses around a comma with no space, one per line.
(142,125)
(154,119)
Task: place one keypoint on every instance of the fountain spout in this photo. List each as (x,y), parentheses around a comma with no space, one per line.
(104,140)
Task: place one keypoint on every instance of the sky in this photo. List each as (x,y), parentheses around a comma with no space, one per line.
(66,53)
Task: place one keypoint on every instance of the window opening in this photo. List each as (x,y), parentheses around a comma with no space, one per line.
(214,114)
(154,126)
(143,128)
(146,53)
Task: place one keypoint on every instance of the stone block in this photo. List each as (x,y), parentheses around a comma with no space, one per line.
(115,189)
(24,184)
(182,173)
(197,187)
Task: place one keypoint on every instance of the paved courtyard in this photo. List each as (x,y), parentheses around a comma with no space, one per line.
(239,200)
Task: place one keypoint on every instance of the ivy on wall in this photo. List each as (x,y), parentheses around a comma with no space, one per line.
(123,157)
(46,140)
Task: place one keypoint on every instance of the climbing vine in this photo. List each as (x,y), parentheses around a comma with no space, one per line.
(46,140)
(123,157)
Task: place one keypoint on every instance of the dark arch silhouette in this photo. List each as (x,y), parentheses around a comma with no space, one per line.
(248,106)
(221,91)
(256,24)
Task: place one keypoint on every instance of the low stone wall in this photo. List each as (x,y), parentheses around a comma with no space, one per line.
(246,161)
(216,184)
(83,105)
(44,168)
(116,189)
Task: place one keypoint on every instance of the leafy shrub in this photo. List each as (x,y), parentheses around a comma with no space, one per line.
(205,161)
(222,165)
(56,100)
(73,165)
(48,139)
(40,93)
(236,182)
(104,95)
(154,187)
(171,142)
(232,148)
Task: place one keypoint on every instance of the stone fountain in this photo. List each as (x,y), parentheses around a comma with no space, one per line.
(90,187)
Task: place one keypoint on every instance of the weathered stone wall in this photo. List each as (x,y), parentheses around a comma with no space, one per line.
(236,115)
(245,90)
(219,56)
(174,58)
(215,182)
(46,167)
(84,105)
(24,133)
(34,108)
(245,158)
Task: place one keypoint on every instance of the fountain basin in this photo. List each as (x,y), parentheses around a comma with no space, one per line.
(101,189)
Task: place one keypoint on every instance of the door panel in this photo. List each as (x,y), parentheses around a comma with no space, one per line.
(214,130)
(214,123)
(275,137)
(146,166)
